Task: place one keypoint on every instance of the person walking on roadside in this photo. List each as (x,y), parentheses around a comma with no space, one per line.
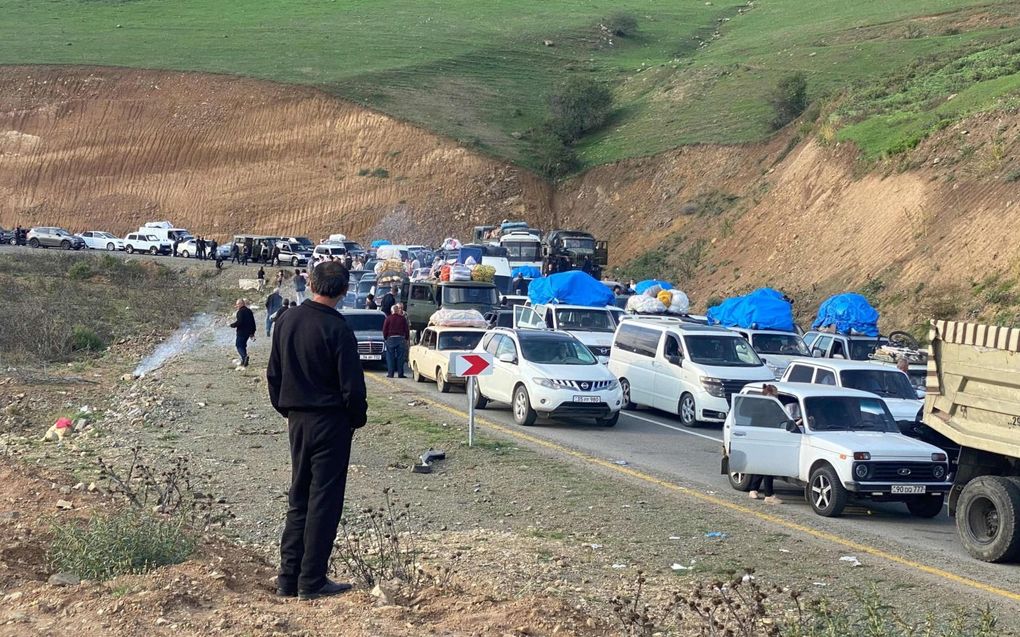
(275,258)
(200,249)
(396,334)
(244,324)
(279,278)
(300,285)
(261,276)
(177,242)
(389,300)
(283,310)
(245,254)
(316,382)
(235,254)
(212,250)
(273,304)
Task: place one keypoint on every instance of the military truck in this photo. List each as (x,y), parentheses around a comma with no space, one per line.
(423,298)
(564,250)
(973,398)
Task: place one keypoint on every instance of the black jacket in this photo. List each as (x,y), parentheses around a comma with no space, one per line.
(245,323)
(314,365)
(388,302)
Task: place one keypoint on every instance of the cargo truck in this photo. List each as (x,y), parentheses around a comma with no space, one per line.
(973,398)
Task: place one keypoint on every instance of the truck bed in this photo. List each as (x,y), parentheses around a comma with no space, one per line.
(973,386)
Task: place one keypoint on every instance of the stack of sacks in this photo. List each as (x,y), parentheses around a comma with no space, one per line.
(485,273)
(458,318)
(460,273)
(645,304)
(677,303)
(444,273)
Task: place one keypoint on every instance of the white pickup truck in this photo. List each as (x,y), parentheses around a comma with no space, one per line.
(837,443)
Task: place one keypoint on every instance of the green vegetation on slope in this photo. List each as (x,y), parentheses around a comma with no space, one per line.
(481,72)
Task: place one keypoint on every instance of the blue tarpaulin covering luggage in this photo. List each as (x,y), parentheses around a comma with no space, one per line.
(849,313)
(570,288)
(526,271)
(763,309)
(641,286)
(378,243)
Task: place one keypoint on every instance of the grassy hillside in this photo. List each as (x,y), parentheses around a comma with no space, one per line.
(693,71)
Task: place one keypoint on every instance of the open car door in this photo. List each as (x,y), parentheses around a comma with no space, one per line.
(760,443)
(601,253)
(525,317)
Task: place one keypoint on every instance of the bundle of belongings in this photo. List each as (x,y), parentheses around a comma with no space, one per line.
(451,244)
(390,271)
(894,354)
(762,309)
(657,297)
(847,314)
(570,288)
(458,318)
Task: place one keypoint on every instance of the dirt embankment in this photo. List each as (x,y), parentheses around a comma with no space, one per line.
(112,148)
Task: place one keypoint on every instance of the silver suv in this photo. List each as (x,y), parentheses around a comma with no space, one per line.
(49,237)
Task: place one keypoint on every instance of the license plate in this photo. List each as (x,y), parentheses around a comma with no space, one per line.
(587,399)
(371,357)
(907,488)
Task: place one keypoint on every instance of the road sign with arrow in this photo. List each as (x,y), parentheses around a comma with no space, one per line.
(470,366)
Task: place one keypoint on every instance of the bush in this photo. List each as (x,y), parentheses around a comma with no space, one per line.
(85,340)
(128,542)
(621,24)
(788,99)
(553,157)
(80,271)
(579,106)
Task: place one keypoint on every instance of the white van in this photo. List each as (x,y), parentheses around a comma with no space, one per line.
(688,369)
(164,231)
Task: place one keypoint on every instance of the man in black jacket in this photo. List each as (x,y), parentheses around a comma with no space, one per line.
(244,323)
(315,380)
(389,300)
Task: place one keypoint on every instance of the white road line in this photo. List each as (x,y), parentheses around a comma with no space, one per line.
(674,428)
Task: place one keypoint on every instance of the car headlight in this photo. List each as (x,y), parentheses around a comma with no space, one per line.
(548,383)
(861,471)
(938,472)
(714,386)
(613,384)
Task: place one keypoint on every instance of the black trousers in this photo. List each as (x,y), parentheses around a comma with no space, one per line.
(763,484)
(320,451)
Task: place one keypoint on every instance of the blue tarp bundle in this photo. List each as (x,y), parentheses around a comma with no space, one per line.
(526,271)
(378,243)
(849,313)
(641,286)
(570,288)
(763,309)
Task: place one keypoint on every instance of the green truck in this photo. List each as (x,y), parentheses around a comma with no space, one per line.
(423,298)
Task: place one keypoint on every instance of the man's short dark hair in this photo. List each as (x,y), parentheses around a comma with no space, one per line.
(330,279)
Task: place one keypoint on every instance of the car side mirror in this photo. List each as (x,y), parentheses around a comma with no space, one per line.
(920,394)
(817,353)
(507,358)
(675,360)
(792,427)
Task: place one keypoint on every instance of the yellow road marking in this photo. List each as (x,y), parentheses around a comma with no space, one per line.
(704,497)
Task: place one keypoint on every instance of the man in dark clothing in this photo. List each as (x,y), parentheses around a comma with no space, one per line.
(300,285)
(177,242)
(245,326)
(273,304)
(519,286)
(370,303)
(212,249)
(261,276)
(245,254)
(315,380)
(389,300)
(200,249)
(396,333)
(235,254)
(275,260)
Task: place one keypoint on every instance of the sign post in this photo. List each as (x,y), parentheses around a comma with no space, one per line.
(471,366)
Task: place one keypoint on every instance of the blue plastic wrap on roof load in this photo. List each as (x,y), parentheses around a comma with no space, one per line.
(849,313)
(526,271)
(763,309)
(641,286)
(378,243)
(570,288)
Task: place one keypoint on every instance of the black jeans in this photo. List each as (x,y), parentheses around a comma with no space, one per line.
(763,485)
(320,450)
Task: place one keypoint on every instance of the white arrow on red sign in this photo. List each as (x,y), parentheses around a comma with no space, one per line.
(472,365)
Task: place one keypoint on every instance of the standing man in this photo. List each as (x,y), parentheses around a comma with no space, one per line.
(315,381)
(261,276)
(273,304)
(200,249)
(177,242)
(300,285)
(212,248)
(235,254)
(389,300)
(244,323)
(245,254)
(275,259)
(396,333)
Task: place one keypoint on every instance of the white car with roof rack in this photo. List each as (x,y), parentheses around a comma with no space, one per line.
(430,356)
(837,443)
(684,368)
(777,348)
(546,373)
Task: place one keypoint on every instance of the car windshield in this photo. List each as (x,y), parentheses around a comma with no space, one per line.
(722,351)
(353,247)
(783,344)
(178,235)
(585,320)
(295,247)
(861,350)
(305,242)
(577,243)
(848,413)
(556,351)
(885,383)
(365,285)
(469,295)
(523,251)
(365,322)
(459,340)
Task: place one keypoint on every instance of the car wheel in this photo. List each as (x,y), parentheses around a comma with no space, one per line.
(184,253)
(415,374)
(33,243)
(609,422)
(926,506)
(441,384)
(740,481)
(153,250)
(625,388)
(111,247)
(688,410)
(826,494)
(13,241)
(480,401)
(988,518)
(65,245)
(524,415)
(130,249)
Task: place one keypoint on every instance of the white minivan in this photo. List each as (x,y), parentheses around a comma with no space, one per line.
(688,369)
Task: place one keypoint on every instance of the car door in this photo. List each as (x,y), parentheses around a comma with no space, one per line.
(488,384)
(506,374)
(526,317)
(637,349)
(820,348)
(431,354)
(759,441)
(667,368)
(89,240)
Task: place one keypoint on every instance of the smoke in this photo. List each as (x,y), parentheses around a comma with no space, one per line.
(185,338)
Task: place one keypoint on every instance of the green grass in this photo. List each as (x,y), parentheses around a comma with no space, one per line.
(694,72)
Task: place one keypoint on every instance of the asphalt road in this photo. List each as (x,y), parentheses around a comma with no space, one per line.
(655,443)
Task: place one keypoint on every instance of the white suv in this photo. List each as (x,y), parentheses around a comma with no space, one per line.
(138,242)
(542,372)
(837,443)
(887,382)
(775,347)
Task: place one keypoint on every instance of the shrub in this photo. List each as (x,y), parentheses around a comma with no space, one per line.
(788,99)
(84,339)
(381,173)
(553,157)
(128,542)
(80,271)
(621,24)
(579,106)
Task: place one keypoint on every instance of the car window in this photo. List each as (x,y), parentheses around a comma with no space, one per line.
(800,374)
(556,351)
(721,350)
(758,411)
(493,344)
(861,350)
(418,293)
(821,344)
(151,237)
(637,340)
(783,344)
(458,340)
(506,346)
(825,377)
(848,413)
(672,346)
(890,383)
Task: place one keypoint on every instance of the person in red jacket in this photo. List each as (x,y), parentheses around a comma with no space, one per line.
(397,332)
